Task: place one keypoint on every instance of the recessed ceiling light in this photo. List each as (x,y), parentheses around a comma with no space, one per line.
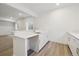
(20,14)
(57,4)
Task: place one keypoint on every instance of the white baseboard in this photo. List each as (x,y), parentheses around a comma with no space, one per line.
(59,42)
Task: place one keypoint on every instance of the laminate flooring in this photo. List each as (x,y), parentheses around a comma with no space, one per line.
(53,49)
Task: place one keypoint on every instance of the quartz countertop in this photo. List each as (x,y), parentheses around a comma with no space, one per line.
(24,34)
(76,35)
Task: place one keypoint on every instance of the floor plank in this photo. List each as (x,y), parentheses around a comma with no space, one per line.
(54,49)
(51,49)
(7,52)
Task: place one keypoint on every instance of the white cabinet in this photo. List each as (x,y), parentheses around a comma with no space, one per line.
(25,40)
(37,43)
(19,46)
(33,43)
(42,40)
(73,45)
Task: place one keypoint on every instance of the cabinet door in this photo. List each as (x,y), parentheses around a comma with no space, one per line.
(34,43)
(72,45)
(76,41)
(70,38)
(42,41)
(19,47)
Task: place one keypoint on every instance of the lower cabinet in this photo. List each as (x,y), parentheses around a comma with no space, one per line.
(37,43)
(19,46)
(42,41)
(33,43)
(73,45)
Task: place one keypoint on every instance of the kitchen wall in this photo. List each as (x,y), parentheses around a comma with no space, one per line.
(24,23)
(21,24)
(57,22)
(6,27)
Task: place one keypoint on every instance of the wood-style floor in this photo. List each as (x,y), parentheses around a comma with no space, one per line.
(6,45)
(7,52)
(54,49)
(51,49)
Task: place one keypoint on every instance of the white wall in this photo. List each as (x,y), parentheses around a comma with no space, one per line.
(30,22)
(6,28)
(24,23)
(58,22)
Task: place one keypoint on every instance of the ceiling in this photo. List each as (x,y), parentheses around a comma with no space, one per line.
(7,11)
(41,8)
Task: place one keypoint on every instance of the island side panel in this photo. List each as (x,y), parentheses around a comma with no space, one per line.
(19,47)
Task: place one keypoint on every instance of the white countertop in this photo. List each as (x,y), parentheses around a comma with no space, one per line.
(24,34)
(76,35)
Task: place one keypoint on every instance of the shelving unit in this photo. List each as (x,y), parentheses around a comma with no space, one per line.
(6,20)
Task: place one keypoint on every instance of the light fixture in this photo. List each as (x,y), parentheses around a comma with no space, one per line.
(57,4)
(20,14)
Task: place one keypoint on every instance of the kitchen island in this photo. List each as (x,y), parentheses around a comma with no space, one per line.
(20,42)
